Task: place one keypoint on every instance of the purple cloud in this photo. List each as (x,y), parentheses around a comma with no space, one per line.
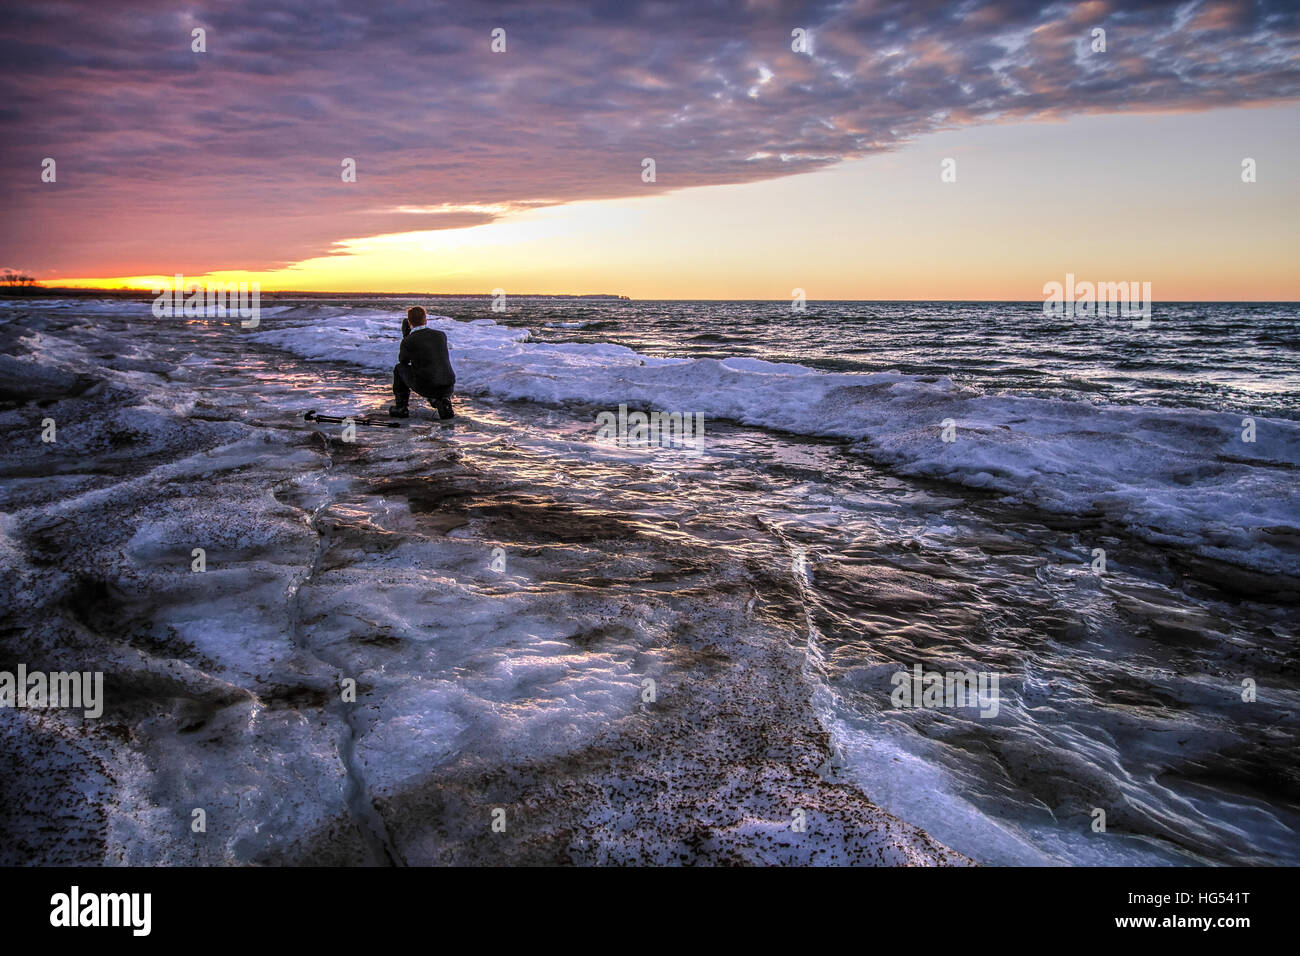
(170,160)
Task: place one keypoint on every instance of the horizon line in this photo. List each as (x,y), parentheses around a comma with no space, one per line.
(31,292)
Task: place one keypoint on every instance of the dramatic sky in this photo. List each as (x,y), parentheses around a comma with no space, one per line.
(775,169)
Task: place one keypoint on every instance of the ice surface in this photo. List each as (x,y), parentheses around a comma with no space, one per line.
(1171,476)
(330,562)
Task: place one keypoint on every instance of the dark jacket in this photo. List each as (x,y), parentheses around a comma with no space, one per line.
(425,350)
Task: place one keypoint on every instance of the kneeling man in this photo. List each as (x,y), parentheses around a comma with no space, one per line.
(423,366)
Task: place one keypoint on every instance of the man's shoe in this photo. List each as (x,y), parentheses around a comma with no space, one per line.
(443,409)
(399,411)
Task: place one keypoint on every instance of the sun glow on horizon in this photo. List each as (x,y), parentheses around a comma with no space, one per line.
(1028,206)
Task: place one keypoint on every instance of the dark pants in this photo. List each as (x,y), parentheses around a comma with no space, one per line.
(406,380)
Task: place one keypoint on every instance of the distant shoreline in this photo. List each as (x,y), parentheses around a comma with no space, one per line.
(40,291)
(29,292)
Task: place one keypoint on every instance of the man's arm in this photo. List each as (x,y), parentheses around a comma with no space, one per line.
(402,357)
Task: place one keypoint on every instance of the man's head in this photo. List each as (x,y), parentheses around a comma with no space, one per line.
(415,315)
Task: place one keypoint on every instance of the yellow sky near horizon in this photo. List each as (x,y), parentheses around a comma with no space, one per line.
(1150,198)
